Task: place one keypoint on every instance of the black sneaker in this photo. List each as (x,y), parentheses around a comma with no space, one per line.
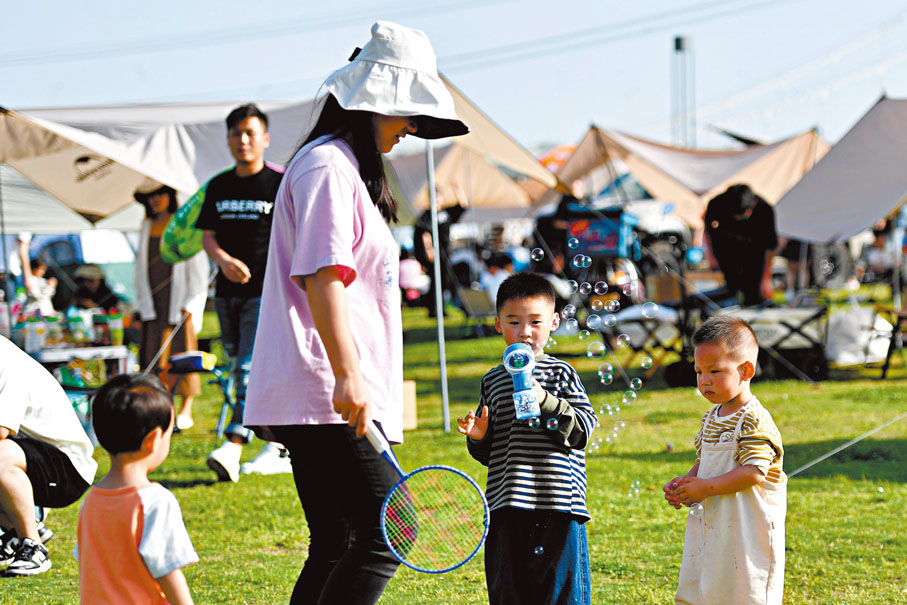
(9,542)
(31,559)
(44,533)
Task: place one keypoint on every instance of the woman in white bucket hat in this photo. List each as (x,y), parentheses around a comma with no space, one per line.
(330,309)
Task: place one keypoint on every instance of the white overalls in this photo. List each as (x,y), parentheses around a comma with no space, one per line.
(733,554)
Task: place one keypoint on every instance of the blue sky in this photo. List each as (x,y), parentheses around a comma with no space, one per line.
(544,71)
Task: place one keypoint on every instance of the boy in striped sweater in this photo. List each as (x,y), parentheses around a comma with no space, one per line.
(536,551)
(733,550)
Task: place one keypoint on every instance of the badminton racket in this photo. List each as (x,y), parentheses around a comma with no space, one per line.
(435,518)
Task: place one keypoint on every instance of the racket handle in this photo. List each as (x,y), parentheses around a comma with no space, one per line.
(376,438)
(382,446)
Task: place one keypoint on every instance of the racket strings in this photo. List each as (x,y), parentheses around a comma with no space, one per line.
(435,519)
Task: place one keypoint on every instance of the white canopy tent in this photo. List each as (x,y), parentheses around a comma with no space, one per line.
(860,181)
(93,158)
(691,177)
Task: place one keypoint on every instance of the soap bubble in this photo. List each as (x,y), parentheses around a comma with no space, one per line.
(609,321)
(572,243)
(613,435)
(623,341)
(650,310)
(633,493)
(568,312)
(584,334)
(571,326)
(594,322)
(636,384)
(537,254)
(646,363)
(613,306)
(608,438)
(607,379)
(585,288)
(551,425)
(604,409)
(581,261)
(629,398)
(597,440)
(627,289)
(534,422)
(615,409)
(571,283)
(601,287)
(597,305)
(605,368)
(595,349)
(593,448)
(551,344)
(539,550)
(620,425)
(696,510)
(635,483)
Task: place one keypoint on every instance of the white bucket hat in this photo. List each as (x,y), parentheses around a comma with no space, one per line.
(396,74)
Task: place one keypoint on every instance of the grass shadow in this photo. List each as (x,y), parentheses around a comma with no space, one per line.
(170,484)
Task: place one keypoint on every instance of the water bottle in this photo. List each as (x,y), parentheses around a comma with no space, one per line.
(519,361)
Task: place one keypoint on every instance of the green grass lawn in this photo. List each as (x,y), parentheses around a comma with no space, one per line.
(845,524)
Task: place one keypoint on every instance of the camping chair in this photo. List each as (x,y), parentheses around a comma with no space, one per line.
(656,337)
(478,307)
(191,362)
(791,339)
(896,318)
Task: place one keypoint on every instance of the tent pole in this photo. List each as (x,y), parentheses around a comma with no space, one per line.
(439,290)
(898,236)
(5,266)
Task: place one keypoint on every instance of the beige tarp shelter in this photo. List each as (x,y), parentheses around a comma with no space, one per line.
(461,175)
(691,177)
(92,158)
(860,181)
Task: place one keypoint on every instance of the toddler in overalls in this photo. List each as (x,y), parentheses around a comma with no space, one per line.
(733,550)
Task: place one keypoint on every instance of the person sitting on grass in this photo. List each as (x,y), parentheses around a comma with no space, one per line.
(733,550)
(536,551)
(132,540)
(45,459)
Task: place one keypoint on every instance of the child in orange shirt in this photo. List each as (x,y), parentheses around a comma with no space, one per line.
(132,540)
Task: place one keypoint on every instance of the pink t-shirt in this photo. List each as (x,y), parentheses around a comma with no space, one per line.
(323,216)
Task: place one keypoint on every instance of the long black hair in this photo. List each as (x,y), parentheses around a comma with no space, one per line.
(357,129)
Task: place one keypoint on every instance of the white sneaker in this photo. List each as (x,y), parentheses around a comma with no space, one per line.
(184,423)
(271,460)
(225,461)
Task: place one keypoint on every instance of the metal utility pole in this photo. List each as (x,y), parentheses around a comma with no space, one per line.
(683,93)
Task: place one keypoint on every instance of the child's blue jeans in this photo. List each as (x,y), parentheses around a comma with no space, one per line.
(536,557)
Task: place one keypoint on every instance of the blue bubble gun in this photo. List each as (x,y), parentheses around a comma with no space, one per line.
(519,361)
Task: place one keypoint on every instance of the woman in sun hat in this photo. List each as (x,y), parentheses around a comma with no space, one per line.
(330,309)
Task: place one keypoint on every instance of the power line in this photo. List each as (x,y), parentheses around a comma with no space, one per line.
(227,35)
(603,34)
(560,42)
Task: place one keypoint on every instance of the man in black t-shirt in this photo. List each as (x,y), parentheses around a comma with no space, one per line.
(740,227)
(236,221)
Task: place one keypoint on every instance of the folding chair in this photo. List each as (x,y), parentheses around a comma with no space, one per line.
(791,339)
(896,318)
(478,307)
(656,336)
(192,362)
